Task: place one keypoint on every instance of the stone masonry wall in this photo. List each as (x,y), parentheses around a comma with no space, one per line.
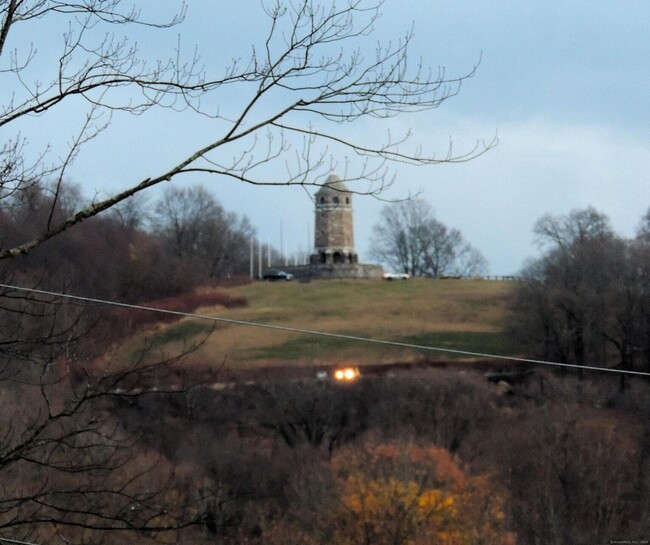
(334,228)
(341,271)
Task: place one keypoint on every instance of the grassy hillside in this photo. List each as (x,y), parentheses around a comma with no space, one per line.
(455,314)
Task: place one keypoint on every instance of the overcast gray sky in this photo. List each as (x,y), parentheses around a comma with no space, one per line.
(565,85)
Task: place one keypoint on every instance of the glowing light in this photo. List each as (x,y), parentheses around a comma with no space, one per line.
(347,374)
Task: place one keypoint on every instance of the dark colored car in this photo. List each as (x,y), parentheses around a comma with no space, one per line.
(277,275)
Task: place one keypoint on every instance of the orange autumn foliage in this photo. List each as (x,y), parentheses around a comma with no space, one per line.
(412,495)
(393,494)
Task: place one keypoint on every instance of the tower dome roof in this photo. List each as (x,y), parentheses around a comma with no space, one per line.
(333,185)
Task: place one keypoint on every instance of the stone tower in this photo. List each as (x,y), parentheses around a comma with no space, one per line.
(334,232)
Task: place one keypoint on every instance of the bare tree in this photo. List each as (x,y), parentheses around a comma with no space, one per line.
(196,227)
(68,468)
(575,228)
(570,280)
(395,239)
(470,261)
(578,486)
(132,214)
(183,216)
(643,232)
(304,81)
(318,415)
(640,275)
(583,300)
(410,239)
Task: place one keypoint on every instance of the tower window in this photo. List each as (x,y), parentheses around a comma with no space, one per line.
(336,200)
(347,200)
(322,200)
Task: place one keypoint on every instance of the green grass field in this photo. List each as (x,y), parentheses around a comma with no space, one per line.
(448,314)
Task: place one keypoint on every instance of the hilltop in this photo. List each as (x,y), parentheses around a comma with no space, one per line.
(453,314)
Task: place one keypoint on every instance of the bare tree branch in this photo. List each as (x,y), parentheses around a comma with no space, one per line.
(311,75)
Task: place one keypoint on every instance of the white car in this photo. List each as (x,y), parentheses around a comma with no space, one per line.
(396,276)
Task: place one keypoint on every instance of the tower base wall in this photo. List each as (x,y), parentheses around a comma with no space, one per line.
(359,271)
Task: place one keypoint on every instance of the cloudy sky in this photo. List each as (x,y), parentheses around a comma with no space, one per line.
(564,86)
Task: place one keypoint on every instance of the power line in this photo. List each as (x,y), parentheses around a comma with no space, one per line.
(16,542)
(342,336)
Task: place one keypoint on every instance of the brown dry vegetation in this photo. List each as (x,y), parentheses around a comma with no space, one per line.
(184,303)
(562,460)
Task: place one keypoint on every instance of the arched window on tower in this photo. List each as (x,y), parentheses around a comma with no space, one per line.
(335,200)
(322,200)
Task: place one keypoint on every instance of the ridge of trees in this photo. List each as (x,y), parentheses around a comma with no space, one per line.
(139,252)
(586,300)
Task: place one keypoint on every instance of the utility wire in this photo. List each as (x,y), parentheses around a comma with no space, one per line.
(16,542)
(321,333)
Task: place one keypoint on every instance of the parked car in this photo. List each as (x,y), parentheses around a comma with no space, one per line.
(272,276)
(396,276)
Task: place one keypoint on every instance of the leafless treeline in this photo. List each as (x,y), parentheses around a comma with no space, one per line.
(587,299)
